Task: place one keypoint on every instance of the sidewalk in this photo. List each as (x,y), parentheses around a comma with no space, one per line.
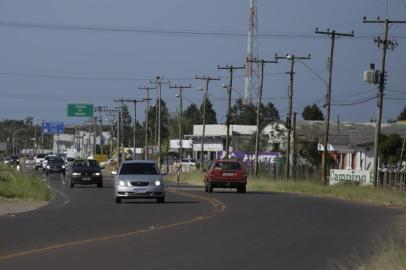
(10,207)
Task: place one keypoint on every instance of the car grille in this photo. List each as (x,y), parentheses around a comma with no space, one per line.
(139,184)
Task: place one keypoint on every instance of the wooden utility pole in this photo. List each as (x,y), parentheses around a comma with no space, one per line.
(158,81)
(333,35)
(291,58)
(206,90)
(229,90)
(385,44)
(147,99)
(294,159)
(134,101)
(180,95)
(120,141)
(100,110)
(262,63)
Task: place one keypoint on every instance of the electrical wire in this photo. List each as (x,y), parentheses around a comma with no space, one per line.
(89,78)
(353,103)
(160,32)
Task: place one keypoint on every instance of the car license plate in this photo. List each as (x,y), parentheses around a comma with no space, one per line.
(139,191)
(86,178)
(228,174)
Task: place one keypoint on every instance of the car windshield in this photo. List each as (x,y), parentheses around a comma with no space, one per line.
(55,161)
(70,159)
(86,163)
(227,166)
(138,168)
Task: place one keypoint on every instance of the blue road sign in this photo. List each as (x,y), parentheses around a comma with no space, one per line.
(53,127)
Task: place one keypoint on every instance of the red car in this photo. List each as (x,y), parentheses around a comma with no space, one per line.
(226,174)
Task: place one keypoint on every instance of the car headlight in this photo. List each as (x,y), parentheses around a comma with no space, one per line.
(121,183)
(48,167)
(63,166)
(157,183)
(76,174)
(97,174)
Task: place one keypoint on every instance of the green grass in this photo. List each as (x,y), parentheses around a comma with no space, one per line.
(14,185)
(352,192)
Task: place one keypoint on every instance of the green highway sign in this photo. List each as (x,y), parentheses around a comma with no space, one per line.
(80,110)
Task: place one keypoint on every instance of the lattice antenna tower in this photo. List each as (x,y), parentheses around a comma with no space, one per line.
(252,68)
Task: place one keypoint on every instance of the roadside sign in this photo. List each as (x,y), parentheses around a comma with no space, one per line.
(80,110)
(53,128)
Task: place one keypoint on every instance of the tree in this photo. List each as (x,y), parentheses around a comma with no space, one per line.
(312,112)
(192,116)
(211,116)
(164,121)
(389,149)
(402,115)
(246,114)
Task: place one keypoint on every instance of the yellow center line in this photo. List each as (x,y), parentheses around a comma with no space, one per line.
(218,207)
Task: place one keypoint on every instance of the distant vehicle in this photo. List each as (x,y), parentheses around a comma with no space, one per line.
(55,165)
(86,172)
(225,174)
(38,160)
(45,161)
(139,179)
(188,161)
(69,162)
(12,160)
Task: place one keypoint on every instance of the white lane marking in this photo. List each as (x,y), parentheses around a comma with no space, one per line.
(67,198)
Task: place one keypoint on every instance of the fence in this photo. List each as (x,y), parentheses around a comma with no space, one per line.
(393,178)
(277,171)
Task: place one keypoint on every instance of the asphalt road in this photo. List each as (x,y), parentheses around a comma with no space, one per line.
(84,229)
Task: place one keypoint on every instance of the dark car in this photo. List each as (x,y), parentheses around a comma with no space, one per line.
(55,165)
(226,174)
(12,160)
(86,172)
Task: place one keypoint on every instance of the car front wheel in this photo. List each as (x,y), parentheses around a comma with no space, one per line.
(160,200)
(118,200)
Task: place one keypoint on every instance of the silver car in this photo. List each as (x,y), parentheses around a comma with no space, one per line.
(139,179)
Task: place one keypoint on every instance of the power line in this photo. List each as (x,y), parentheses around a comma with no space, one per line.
(175,32)
(353,103)
(90,78)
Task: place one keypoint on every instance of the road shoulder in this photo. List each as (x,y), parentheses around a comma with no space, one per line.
(9,207)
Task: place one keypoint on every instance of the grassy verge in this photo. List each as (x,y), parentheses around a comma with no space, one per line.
(14,185)
(390,256)
(353,192)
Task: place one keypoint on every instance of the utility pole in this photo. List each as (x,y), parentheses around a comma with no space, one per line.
(134,101)
(94,135)
(100,110)
(206,89)
(291,58)
(229,90)
(120,141)
(262,63)
(158,81)
(294,145)
(403,149)
(180,94)
(147,99)
(385,44)
(333,35)
(42,137)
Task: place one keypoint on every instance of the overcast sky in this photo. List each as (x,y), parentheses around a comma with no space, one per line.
(42,69)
